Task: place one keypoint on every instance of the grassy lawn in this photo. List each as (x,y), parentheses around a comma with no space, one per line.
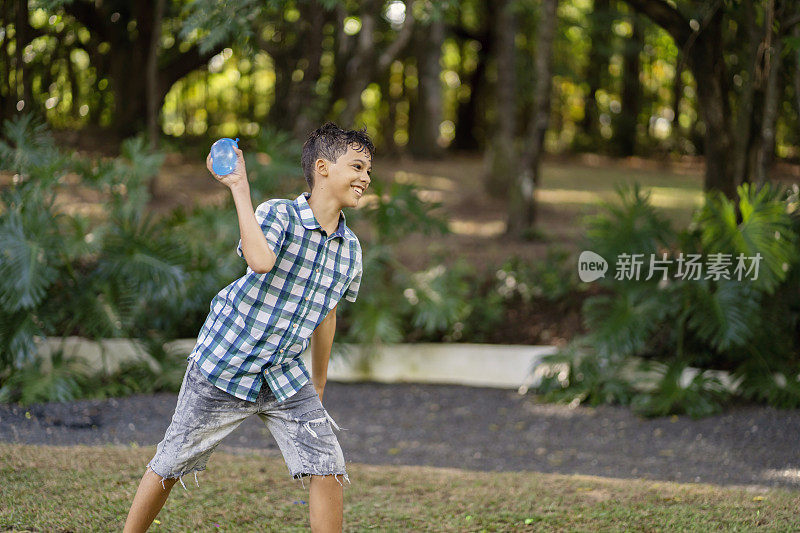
(578,189)
(86,488)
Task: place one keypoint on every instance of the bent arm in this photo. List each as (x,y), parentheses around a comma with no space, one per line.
(321,344)
(259,256)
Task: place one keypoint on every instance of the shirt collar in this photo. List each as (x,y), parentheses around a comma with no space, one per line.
(310,221)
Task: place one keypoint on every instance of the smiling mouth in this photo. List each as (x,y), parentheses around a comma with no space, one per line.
(359,190)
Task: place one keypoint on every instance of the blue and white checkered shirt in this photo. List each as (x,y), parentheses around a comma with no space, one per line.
(261,323)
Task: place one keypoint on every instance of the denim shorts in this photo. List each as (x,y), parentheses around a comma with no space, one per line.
(206,414)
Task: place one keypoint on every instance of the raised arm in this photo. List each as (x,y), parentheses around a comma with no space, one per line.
(255,249)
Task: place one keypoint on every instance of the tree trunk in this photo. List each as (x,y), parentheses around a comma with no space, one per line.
(22,37)
(363,65)
(773,94)
(306,110)
(426,110)
(7,92)
(706,61)
(126,64)
(796,77)
(500,159)
(522,208)
(469,116)
(358,68)
(600,33)
(628,118)
(389,118)
(748,113)
(677,97)
(154,101)
(712,92)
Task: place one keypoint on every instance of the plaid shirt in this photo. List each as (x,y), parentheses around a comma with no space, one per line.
(261,323)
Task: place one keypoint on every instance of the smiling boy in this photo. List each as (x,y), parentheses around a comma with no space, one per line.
(301,260)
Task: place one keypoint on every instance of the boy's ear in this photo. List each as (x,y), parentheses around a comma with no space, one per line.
(321,167)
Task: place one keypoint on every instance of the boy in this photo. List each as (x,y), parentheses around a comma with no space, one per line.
(302,259)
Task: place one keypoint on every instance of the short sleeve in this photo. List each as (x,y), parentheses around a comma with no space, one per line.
(273,223)
(352,289)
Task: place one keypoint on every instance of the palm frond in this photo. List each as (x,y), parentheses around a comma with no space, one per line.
(621,324)
(702,396)
(765,232)
(724,313)
(632,227)
(25,273)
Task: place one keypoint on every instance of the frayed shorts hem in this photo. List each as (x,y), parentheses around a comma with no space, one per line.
(178,476)
(300,476)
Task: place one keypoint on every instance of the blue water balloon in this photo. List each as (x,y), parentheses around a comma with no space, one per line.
(223,157)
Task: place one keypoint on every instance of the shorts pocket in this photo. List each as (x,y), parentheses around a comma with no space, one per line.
(316,443)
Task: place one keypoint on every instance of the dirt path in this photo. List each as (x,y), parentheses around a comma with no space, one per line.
(473,428)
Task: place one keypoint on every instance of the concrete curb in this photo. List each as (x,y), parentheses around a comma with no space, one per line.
(477,365)
(481,365)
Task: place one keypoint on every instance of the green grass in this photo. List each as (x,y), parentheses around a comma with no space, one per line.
(85,488)
(578,189)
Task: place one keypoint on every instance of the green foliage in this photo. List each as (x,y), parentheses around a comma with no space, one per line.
(621,324)
(139,376)
(232,21)
(765,229)
(631,226)
(373,318)
(62,275)
(700,397)
(31,384)
(270,177)
(438,300)
(551,278)
(399,211)
(779,387)
(712,322)
(725,314)
(578,376)
(379,315)
(26,260)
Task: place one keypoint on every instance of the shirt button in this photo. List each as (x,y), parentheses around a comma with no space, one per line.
(281,350)
(317,270)
(294,325)
(306,298)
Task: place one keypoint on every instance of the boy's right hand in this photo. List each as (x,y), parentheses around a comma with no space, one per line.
(237,178)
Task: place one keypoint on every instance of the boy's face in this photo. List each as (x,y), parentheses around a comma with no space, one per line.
(347,178)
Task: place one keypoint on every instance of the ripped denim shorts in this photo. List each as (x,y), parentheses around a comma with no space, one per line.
(206,414)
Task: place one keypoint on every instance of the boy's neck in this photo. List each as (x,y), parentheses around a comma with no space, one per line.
(326,210)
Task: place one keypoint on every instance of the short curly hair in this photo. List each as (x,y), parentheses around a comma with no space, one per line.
(330,142)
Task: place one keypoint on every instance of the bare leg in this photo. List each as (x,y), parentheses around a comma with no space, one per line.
(325,503)
(149,499)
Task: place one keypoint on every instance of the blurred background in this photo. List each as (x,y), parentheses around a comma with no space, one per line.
(510,136)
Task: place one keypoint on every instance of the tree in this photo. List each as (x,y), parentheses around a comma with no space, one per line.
(363,64)
(522,206)
(426,111)
(137,64)
(501,155)
(701,40)
(600,24)
(631,105)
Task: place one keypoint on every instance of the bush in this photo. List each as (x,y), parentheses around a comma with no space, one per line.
(66,275)
(747,326)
